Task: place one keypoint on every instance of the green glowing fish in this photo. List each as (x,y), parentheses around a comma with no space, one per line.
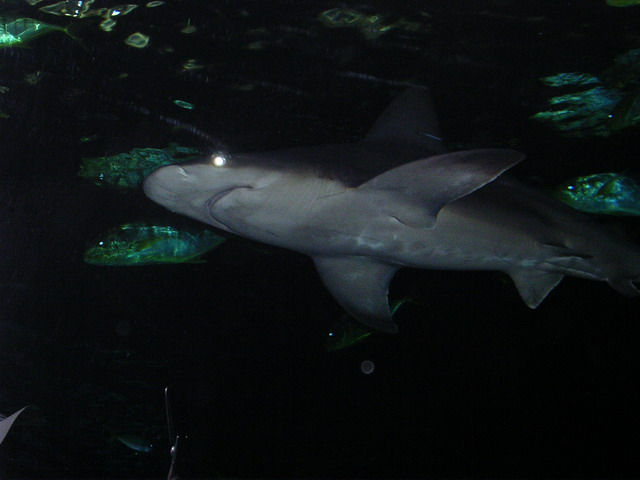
(605,193)
(627,112)
(569,78)
(185,105)
(16,32)
(144,243)
(371,26)
(581,114)
(128,170)
(623,3)
(347,331)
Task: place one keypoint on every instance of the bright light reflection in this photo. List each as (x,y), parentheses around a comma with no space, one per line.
(218,160)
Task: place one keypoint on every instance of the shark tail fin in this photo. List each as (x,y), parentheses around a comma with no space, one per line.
(606,257)
(620,265)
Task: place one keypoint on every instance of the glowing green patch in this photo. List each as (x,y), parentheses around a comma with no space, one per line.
(185,105)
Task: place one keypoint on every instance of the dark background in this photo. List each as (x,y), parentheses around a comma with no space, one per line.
(474,385)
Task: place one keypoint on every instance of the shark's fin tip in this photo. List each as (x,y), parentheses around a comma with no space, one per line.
(360,285)
(427,185)
(534,285)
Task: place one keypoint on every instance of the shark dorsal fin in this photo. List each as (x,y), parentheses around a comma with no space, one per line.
(436,181)
(409,118)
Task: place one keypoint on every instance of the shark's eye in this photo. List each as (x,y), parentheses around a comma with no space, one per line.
(218,160)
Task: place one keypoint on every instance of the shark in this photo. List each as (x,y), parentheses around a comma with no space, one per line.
(397,198)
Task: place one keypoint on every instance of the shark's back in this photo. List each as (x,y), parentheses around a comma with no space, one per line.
(407,130)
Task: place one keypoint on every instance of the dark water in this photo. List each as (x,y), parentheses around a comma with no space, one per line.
(474,385)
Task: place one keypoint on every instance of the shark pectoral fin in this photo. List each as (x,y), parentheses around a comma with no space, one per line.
(360,285)
(534,285)
(436,181)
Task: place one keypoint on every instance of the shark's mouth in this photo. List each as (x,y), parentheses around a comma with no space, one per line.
(219,196)
(211,203)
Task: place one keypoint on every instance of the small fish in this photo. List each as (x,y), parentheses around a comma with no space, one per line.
(604,193)
(370,26)
(347,331)
(18,31)
(137,40)
(627,112)
(583,113)
(184,104)
(128,170)
(144,243)
(136,443)
(623,3)
(569,78)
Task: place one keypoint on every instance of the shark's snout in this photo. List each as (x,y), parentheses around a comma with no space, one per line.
(163,185)
(170,174)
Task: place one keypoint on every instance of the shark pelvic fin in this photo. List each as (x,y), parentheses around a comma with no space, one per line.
(434,182)
(360,285)
(534,285)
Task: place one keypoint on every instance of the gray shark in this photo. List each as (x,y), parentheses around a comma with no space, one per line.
(397,199)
